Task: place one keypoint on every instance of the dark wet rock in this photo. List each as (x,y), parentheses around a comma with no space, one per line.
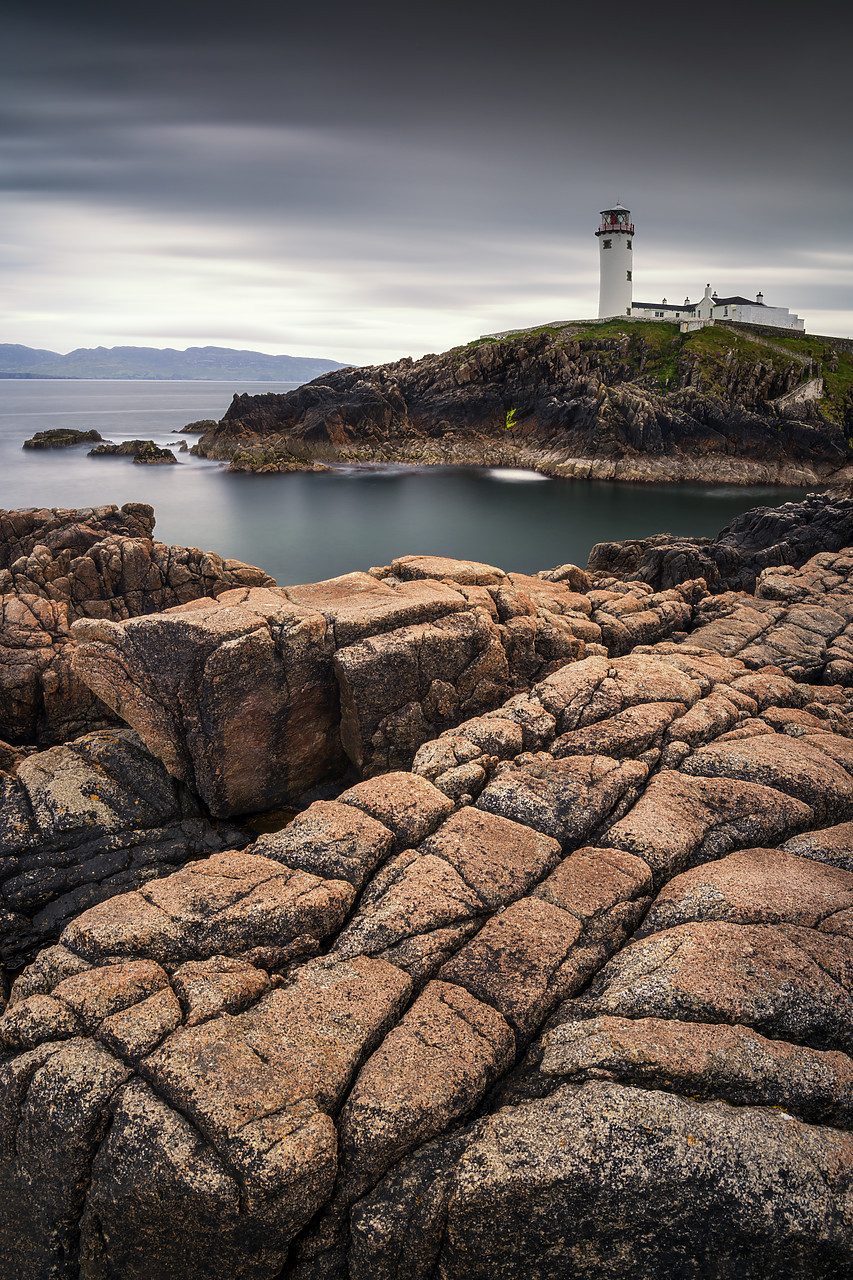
(144,451)
(61,438)
(199,426)
(771,540)
(615,1183)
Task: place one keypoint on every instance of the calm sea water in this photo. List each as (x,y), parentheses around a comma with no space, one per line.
(303,527)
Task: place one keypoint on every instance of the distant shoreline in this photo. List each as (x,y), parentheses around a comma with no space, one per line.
(69,377)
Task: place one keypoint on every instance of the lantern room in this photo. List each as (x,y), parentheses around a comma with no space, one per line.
(616,219)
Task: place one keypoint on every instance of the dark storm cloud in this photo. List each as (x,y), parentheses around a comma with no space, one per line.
(376,138)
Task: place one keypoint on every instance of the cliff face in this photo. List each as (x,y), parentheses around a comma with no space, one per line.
(597,402)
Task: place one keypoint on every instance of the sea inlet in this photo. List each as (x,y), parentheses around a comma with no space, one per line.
(306,526)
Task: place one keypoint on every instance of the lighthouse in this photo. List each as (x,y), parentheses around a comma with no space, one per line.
(615,244)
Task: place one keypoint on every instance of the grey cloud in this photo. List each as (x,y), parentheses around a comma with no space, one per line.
(447,156)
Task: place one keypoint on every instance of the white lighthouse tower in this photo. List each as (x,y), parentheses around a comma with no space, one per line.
(615,242)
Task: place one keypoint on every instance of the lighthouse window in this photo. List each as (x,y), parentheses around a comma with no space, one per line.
(607,244)
(630,244)
(628,274)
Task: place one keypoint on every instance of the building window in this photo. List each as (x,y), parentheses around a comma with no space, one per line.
(630,245)
(607,244)
(628,274)
(658,315)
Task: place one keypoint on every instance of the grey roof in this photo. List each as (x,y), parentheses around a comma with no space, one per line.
(725,302)
(666,306)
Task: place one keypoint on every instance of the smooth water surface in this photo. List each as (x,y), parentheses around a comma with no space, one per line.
(307,526)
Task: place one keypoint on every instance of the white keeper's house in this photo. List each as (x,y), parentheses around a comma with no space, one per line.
(616,294)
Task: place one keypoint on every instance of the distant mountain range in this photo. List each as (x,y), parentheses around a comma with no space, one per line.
(204,363)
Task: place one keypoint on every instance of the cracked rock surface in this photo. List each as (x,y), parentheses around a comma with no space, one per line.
(82,822)
(562,987)
(593,1019)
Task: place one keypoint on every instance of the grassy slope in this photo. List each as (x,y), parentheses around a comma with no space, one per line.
(665,348)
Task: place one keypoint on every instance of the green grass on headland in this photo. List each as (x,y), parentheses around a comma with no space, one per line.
(657,355)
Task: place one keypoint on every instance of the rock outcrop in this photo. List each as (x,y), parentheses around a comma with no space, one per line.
(764,538)
(143,451)
(258,696)
(61,438)
(638,402)
(97,562)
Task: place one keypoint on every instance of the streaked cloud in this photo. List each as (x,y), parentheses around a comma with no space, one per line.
(372,182)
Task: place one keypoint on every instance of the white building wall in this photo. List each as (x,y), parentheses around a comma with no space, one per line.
(616,261)
(780,317)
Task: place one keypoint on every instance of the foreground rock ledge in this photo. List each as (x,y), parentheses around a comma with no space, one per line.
(255,697)
(571,997)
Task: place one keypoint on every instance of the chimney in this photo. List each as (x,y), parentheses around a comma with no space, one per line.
(759,298)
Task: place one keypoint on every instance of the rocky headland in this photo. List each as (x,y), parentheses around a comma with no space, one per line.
(634,402)
(541,966)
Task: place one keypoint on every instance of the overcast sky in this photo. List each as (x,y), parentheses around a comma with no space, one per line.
(376,180)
